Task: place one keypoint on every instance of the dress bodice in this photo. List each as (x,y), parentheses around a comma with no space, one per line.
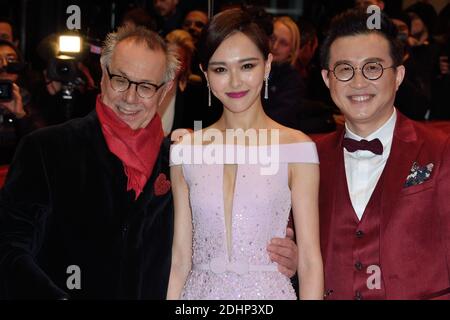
(260,207)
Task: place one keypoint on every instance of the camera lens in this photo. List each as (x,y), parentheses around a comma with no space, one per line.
(63,68)
(64,71)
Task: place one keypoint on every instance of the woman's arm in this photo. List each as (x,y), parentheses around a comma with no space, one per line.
(304,190)
(182,240)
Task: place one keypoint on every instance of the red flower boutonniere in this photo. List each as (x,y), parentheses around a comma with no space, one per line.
(162,185)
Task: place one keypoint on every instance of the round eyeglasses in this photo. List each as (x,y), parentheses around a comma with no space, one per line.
(144,90)
(370,70)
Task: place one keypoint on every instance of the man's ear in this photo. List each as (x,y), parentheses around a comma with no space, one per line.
(399,76)
(326,77)
(103,79)
(166,89)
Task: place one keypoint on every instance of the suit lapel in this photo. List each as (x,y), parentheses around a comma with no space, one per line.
(114,169)
(161,167)
(404,151)
(332,156)
(112,166)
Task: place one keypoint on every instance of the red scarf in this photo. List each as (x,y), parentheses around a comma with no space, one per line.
(137,149)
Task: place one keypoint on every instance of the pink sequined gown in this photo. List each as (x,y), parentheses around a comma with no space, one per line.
(261,207)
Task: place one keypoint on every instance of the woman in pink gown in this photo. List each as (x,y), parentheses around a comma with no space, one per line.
(235,182)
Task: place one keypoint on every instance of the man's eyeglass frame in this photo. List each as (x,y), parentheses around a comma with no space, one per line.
(361,69)
(157,87)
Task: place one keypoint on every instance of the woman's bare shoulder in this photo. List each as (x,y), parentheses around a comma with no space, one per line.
(289,135)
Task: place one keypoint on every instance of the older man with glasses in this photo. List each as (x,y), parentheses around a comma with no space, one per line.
(86,210)
(385,180)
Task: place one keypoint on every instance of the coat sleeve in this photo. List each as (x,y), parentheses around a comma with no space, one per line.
(442,198)
(24,209)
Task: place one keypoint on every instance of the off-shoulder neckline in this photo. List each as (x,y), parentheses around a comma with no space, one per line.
(241,145)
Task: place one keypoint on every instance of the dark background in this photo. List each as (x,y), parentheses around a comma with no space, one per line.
(36,19)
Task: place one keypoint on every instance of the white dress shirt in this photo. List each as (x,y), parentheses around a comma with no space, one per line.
(363,168)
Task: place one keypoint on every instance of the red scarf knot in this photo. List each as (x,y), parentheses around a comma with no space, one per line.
(137,149)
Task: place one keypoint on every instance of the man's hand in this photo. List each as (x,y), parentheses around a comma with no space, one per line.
(283,251)
(15,106)
(178,134)
(53,87)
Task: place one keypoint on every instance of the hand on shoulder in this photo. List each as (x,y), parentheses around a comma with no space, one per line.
(177,135)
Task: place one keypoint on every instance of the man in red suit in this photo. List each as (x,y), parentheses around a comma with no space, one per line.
(385,180)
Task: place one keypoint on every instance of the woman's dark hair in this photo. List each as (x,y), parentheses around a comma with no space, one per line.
(254,23)
(354,22)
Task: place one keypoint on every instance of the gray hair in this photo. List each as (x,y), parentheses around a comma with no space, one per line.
(140,35)
(182,39)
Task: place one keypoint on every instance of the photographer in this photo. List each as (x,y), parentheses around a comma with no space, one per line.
(17,117)
(9,57)
(68,90)
(65,100)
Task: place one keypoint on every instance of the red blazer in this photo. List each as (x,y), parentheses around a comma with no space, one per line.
(414,231)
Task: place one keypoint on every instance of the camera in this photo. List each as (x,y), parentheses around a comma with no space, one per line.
(6,90)
(62,63)
(63,66)
(63,70)
(63,54)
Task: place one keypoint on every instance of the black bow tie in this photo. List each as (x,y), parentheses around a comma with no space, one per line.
(374,145)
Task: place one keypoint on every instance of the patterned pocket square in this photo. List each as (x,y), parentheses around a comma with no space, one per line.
(418,174)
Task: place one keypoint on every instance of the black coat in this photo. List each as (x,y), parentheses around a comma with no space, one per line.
(65,203)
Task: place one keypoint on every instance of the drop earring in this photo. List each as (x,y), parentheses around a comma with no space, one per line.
(209,94)
(266,88)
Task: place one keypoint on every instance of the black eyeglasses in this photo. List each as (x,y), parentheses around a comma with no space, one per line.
(144,90)
(370,70)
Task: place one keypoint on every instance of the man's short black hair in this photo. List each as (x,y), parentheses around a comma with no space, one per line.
(354,22)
